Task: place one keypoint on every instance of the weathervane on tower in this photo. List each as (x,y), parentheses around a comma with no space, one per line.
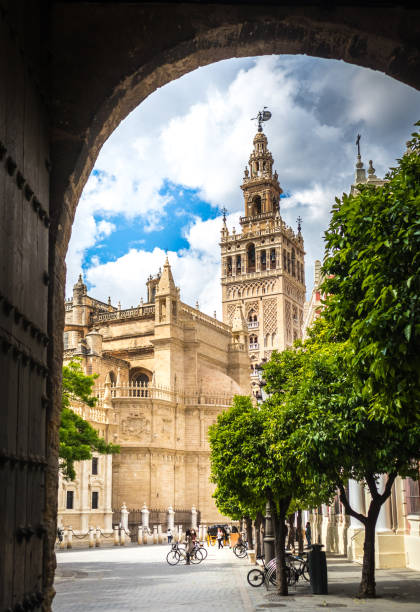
(263,115)
(224,212)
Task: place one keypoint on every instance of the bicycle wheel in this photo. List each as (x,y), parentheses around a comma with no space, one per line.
(203,552)
(255,577)
(305,571)
(196,556)
(240,551)
(173,557)
(291,575)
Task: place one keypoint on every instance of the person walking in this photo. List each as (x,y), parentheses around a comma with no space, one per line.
(308,533)
(220,537)
(189,545)
(169,535)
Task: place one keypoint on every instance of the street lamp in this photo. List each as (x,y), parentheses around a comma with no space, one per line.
(261,394)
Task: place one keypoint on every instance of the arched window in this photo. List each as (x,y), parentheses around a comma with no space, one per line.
(284,261)
(288,262)
(293,263)
(139,384)
(251,258)
(273,259)
(229,266)
(263,260)
(253,342)
(252,319)
(256,205)
(238,264)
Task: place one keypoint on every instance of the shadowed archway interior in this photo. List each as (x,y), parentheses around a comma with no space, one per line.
(71,72)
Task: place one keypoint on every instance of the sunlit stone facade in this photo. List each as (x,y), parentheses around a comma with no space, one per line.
(165,372)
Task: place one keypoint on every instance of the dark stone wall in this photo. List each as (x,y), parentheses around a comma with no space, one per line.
(69,73)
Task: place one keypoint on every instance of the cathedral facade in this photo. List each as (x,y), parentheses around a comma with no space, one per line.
(263,264)
(165,371)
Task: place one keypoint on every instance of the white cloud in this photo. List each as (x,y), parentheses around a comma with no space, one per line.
(196,132)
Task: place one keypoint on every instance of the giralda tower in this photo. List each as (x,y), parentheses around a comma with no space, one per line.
(263,265)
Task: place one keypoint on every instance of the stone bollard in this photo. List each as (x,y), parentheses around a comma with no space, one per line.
(194,518)
(155,534)
(124,516)
(69,537)
(91,537)
(63,543)
(150,539)
(160,534)
(145,516)
(122,536)
(204,533)
(171,519)
(252,557)
(179,533)
(116,536)
(140,535)
(98,537)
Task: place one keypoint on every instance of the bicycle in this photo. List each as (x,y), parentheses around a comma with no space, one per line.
(298,567)
(241,549)
(256,576)
(177,554)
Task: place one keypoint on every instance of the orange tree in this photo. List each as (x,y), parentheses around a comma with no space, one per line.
(78,439)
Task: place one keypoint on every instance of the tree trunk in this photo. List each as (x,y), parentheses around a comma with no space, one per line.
(258,521)
(279,518)
(291,535)
(367,587)
(248,527)
(299,530)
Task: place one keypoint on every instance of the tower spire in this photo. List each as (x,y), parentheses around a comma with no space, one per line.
(360,174)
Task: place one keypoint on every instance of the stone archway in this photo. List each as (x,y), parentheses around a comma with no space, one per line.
(73,71)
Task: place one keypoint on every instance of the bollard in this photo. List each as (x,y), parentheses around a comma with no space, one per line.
(160,534)
(69,537)
(122,536)
(91,538)
(252,557)
(98,537)
(171,519)
(155,534)
(63,543)
(179,533)
(116,536)
(204,533)
(140,535)
(194,518)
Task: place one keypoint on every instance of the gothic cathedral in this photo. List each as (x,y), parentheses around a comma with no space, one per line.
(263,266)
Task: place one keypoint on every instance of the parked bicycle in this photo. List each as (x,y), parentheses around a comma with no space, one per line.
(241,548)
(298,566)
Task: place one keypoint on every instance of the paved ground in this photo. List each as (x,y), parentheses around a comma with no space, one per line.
(138,578)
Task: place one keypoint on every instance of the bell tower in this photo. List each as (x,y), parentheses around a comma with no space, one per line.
(263,263)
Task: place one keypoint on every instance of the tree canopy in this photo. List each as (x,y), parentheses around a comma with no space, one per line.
(373,284)
(78,439)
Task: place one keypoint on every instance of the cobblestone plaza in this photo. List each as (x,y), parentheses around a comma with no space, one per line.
(138,578)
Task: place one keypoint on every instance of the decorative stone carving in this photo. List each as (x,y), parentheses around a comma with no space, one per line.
(270,316)
(135,427)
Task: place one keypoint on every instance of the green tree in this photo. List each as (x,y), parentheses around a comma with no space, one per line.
(334,434)
(78,439)
(372,274)
(249,468)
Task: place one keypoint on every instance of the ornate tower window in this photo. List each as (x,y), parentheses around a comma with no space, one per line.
(251,258)
(263,260)
(273,259)
(253,342)
(229,266)
(256,205)
(238,264)
(252,319)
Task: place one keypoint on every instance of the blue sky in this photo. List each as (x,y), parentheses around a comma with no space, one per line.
(164,174)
